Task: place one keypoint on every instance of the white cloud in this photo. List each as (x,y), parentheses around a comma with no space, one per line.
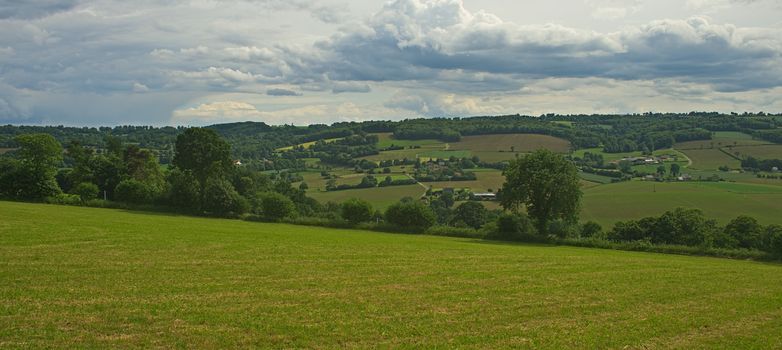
(441,56)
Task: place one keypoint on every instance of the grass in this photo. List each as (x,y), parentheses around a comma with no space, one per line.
(386,140)
(711,159)
(307,145)
(434,155)
(721,139)
(486,180)
(380,197)
(723,201)
(600,179)
(504,142)
(96,278)
(759,152)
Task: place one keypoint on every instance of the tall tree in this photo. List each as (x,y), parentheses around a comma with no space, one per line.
(204,154)
(546,184)
(39,156)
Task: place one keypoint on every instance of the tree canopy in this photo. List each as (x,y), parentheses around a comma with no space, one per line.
(545,184)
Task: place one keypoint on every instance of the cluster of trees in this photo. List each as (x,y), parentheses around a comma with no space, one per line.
(690,227)
(752,163)
(202,178)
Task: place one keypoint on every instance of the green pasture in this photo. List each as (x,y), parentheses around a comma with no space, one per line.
(711,159)
(485,180)
(759,152)
(95,278)
(721,139)
(722,201)
(380,197)
(386,140)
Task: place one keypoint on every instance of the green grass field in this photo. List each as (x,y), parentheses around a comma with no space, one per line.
(711,159)
(96,278)
(760,152)
(721,139)
(722,201)
(486,180)
(386,140)
(380,197)
(504,142)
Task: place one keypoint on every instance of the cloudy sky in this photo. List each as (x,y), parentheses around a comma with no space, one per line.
(196,62)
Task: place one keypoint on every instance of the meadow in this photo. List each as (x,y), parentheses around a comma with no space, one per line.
(722,201)
(380,197)
(759,152)
(711,158)
(98,278)
(722,139)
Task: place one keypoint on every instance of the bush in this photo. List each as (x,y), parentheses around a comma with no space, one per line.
(64,199)
(133,191)
(473,214)
(273,206)
(86,191)
(451,231)
(591,229)
(184,191)
(514,227)
(563,229)
(746,231)
(356,210)
(773,240)
(412,215)
(220,198)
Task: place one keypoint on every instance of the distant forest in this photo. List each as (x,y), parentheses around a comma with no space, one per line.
(256,144)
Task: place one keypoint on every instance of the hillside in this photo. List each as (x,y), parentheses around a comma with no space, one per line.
(87,278)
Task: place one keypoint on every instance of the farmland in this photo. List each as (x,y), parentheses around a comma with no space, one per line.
(96,278)
(759,152)
(711,158)
(607,204)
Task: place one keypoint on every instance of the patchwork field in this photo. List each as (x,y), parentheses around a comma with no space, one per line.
(95,278)
(711,159)
(380,197)
(721,139)
(722,201)
(504,142)
(387,139)
(486,180)
(759,152)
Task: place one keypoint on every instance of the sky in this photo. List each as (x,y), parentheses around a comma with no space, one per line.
(201,62)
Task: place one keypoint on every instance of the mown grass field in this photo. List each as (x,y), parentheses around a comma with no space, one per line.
(711,159)
(504,142)
(722,201)
(93,278)
(486,180)
(721,139)
(759,152)
(380,197)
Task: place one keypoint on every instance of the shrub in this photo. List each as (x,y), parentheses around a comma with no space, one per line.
(746,231)
(412,215)
(64,199)
(773,240)
(184,191)
(86,191)
(473,214)
(591,229)
(220,198)
(356,210)
(133,191)
(514,227)
(273,206)
(451,231)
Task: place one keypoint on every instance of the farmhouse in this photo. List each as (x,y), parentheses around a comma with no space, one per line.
(488,196)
